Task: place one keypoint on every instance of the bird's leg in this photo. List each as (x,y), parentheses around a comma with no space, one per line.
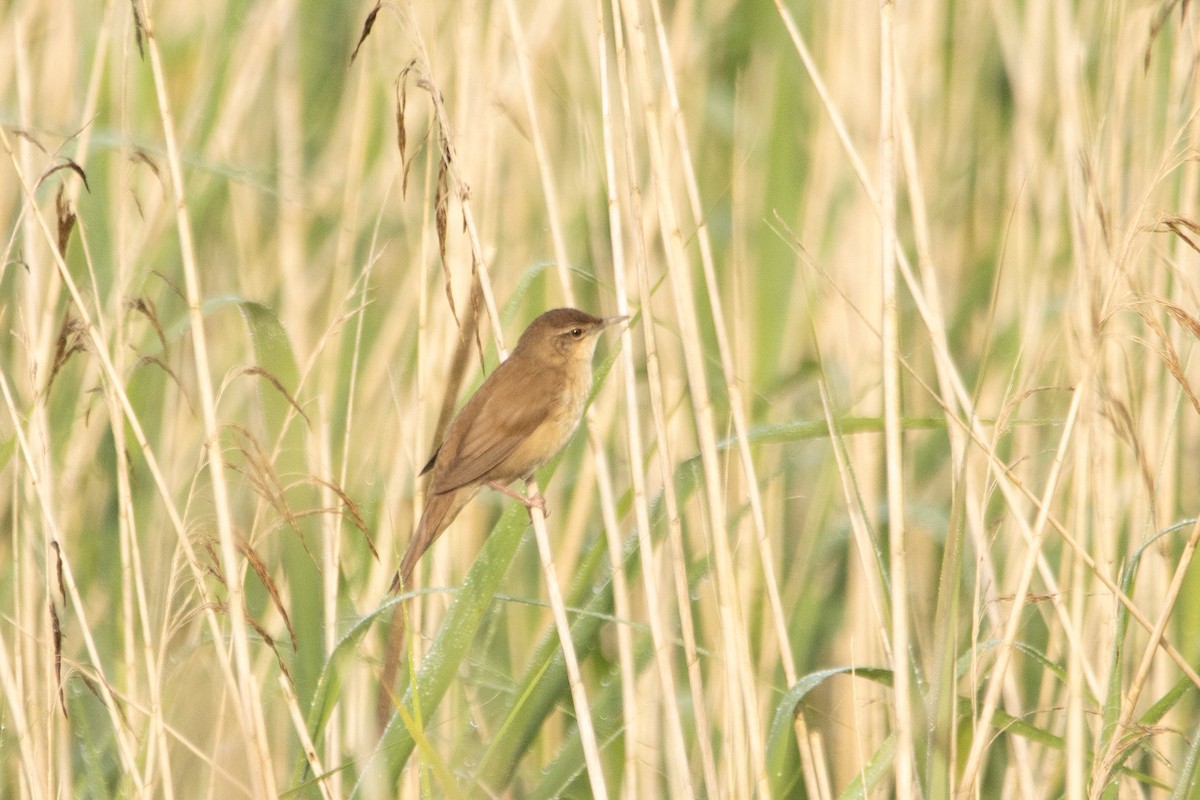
(536,501)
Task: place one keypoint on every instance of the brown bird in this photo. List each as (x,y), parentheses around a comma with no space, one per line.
(522,415)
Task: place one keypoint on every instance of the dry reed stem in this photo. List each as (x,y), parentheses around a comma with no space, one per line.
(733,382)
(679,775)
(941,350)
(621,602)
(113,380)
(250,711)
(747,756)
(583,714)
(903,765)
(663,452)
(30,772)
(53,534)
(324,782)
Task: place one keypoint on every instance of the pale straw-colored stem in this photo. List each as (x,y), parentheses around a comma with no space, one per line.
(621,603)
(654,382)
(249,710)
(679,775)
(100,349)
(126,748)
(892,424)
(746,750)
(583,713)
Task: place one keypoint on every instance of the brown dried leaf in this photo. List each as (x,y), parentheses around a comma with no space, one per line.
(368,23)
(264,577)
(1165,350)
(262,373)
(352,510)
(441,202)
(95,690)
(1160,19)
(270,642)
(66,220)
(58,571)
(140,156)
(27,136)
(158,362)
(68,164)
(146,308)
(1178,225)
(214,566)
(139,29)
(71,340)
(1183,318)
(174,286)
(56,630)
(401,105)
(476,309)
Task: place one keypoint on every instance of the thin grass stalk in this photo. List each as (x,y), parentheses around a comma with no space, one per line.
(40,300)
(941,351)
(1014,493)
(724,350)
(446,151)
(1008,489)
(981,739)
(423,369)
(334,746)
(91,99)
(679,776)
(331,528)
(399,633)
(583,714)
(138,610)
(335,523)
(973,423)
(299,290)
(962,485)
(134,607)
(868,555)
(1115,745)
(562,262)
(250,711)
(1076,737)
(324,782)
(100,350)
(747,751)
(892,433)
(663,452)
(125,748)
(40,307)
(931,313)
(28,784)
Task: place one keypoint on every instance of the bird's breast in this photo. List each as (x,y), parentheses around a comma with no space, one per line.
(555,430)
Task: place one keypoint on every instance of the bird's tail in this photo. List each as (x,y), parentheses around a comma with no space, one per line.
(440,511)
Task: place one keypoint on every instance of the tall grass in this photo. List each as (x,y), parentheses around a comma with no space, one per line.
(887,490)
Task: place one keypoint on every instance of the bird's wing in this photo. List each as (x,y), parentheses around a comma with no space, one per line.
(479,439)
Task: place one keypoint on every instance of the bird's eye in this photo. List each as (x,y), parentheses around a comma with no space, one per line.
(576,333)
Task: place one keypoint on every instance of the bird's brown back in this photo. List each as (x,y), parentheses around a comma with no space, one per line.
(526,410)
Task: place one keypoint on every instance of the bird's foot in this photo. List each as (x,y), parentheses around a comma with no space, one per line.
(535,501)
(538,502)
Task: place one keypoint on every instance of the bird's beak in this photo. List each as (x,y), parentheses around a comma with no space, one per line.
(610,321)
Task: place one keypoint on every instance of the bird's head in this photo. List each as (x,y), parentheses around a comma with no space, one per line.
(564,335)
